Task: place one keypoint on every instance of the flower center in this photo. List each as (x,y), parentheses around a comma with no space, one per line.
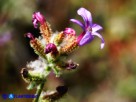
(89,29)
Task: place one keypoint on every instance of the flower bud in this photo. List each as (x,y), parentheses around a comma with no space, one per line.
(51,48)
(37,17)
(69,31)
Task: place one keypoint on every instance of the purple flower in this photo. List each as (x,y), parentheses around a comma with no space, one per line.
(89,29)
(37,17)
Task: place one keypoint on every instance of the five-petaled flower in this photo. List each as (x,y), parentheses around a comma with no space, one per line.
(89,29)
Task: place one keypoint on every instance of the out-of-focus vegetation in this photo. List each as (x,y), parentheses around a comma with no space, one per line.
(107,75)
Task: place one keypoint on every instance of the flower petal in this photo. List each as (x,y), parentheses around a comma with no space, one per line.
(86,15)
(87,38)
(78,22)
(37,17)
(35,23)
(102,39)
(96,27)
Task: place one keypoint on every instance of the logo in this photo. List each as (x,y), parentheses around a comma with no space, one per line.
(12,96)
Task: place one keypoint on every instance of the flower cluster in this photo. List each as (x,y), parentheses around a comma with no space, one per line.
(53,48)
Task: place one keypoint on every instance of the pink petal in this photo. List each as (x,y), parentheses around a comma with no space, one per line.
(70,31)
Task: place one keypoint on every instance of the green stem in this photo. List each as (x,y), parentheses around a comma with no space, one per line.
(56,71)
(38,92)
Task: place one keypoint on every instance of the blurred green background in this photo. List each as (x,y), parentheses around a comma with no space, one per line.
(107,75)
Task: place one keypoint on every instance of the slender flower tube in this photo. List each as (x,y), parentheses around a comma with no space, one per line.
(89,29)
